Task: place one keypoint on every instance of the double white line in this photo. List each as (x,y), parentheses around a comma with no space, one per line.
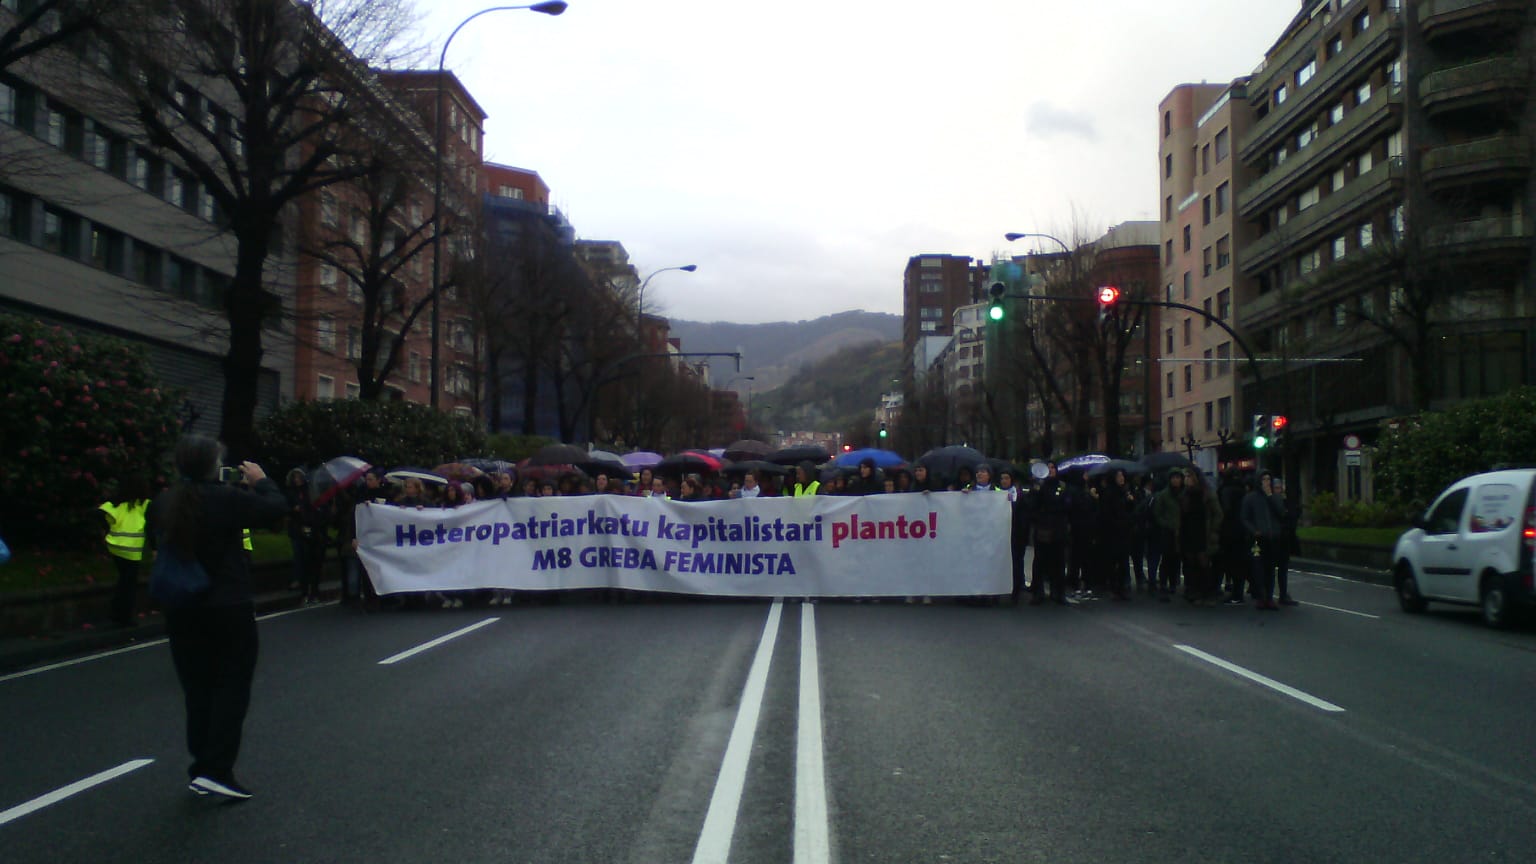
(812,842)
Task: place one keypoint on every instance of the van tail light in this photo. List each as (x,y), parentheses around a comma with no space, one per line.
(1528,535)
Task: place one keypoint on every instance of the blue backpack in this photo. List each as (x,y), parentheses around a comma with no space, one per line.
(176,581)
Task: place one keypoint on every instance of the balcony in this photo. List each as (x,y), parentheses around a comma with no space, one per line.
(1363,122)
(1499,157)
(1496,79)
(1329,82)
(1498,233)
(1446,16)
(1365,191)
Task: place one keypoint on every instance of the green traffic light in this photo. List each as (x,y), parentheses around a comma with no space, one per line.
(1260,442)
(996,312)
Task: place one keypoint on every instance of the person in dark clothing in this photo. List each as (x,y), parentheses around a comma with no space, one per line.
(921,481)
(296,489)
(213,640)
(1144,548)
(1234,561)
(1082,514)
(1116,522)
(1049,519)
(1167,518)
(1289,544)
(868,481)
(1199,536)
(1263,517)
(316,520)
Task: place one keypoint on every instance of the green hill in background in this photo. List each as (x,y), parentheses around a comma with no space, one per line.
(838,393)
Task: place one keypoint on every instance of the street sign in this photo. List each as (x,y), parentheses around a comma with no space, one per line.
(1351,457)
(1351,442)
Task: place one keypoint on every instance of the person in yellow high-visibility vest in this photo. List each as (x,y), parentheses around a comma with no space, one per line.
(806,484)
(125,541)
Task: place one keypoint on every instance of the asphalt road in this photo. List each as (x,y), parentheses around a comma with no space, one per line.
(677,731)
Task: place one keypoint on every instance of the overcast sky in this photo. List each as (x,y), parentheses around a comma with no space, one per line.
(799,153)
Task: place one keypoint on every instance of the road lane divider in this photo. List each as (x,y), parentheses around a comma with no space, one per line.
(1337,609)
(812,836)
(714,845)
(427,646)
(1260,679)
(74,788)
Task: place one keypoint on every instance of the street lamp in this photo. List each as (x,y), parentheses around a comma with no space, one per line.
(1012,236)
(555,7)
(640,297)
(749,379)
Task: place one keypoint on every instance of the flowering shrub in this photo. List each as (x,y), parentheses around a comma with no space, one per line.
(81,415)
(1419,455)
(387,434)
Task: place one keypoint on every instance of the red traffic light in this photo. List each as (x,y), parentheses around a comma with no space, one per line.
(1108,294)
(847,448)
(1278,422)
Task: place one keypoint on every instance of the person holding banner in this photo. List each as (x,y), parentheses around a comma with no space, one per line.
(806,484)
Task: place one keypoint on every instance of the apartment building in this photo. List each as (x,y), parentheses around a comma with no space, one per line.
(933,288)
(1201,179)
(1393,257)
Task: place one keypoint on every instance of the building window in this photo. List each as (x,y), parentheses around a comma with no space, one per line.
(1336,114)
(1223,198)
(1335,47)
(1210,412)
(1398,223)
(1395,144)
(1363,164)
(7,103)
(1362,24)
(1224,304)
(1168,209)
(1363,93)
(1170,395)
(60,232)
(1167,123)
(1189,423)
(325,387)
(181,278)
(1367,305)
(328,277)
(1339,248)
(1206,370)
(1340,316)
(1189,238)
(1224,412)
(1205,261)
(1189,284)
(1168,253)
(354,343)
(931,313)
(1205,159)
(1205,306)
(1278,157)
(1205,210)
(325,333)
(1307,262)
(1223,146)
(1365,235)
(1189,378)
(1223,252)
(1282,215)
(328,213)
(1338,180)
(413,367)
(1306,136)
(106,248)
(1168,166)
(1188,332)
(354,391)
(1307,198)
(145,265)
(1170,422)
(1305,73)
(1280,94)
(1224,360)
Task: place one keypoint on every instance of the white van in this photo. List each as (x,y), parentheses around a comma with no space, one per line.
(1474,546)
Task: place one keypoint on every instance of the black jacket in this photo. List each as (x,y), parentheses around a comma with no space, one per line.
(226,512)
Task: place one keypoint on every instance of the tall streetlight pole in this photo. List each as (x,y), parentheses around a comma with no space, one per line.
(640,296)
(555,7)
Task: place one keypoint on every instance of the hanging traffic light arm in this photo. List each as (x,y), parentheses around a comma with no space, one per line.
(1253,363)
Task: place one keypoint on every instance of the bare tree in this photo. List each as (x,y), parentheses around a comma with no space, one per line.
(34,27)
(255,99)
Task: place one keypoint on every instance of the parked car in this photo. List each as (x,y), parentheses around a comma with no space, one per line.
(1473,546)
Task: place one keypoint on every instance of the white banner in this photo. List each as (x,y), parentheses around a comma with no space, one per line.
(940,543)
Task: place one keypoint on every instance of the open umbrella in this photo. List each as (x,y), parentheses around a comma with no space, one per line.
(458,472)
(640,459)
(1112,465)
(558,454)
(1159,461)
(747,449)
(425,476)
(489,466)
(883,458)
(546,473)
(946,462)
(687,462)
(794,455)
(1081,462)
(603,462)
(335,475)
(736,469)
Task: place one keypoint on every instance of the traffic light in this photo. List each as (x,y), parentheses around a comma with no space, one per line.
(1109,298)
(996,312)
(883,432)
(847,448)
(1277,426)
(1260,431)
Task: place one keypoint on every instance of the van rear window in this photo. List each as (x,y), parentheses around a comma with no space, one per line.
(1494,508)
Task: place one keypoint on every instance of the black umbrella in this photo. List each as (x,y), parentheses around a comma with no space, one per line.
(489,466)
(687,462)
(1159,461)
(736,469)
(812,453)
(747,449)
(1113,465)
(558,454)
(946,462)
(603,462)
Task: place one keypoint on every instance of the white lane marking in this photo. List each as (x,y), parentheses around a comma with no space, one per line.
(63,664)
(1260,679)
(74,788)
(1337,609)
(78,660)
(812,843)
(1343,579)
(406,655)
(720,822)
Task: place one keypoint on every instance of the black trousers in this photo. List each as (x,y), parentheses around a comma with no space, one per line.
(1263,566)
(214,649)
(125,592)
(1050,566)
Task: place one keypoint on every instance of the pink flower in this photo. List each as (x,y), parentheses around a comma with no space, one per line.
(15,337)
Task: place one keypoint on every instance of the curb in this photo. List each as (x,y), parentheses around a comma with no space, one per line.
(1347,571)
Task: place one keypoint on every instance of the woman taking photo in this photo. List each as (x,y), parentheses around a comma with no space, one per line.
(213,637)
